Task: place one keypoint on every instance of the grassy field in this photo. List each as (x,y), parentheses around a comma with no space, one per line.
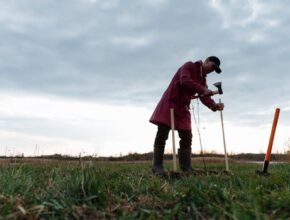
(61,190)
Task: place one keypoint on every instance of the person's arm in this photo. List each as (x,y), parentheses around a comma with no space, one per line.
(210,103)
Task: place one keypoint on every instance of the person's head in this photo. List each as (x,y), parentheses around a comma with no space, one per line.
(211,63)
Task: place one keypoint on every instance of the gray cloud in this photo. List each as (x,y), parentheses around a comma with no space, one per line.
(127,51)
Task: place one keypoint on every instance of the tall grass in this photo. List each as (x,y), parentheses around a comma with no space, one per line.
(130,191)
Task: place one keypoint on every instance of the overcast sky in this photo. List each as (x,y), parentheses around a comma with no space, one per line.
(85,75)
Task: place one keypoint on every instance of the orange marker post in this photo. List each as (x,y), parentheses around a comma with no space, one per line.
(269,150)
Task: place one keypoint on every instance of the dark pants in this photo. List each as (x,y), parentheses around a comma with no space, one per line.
(162,136)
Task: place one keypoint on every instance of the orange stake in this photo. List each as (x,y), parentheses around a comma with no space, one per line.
(268,154)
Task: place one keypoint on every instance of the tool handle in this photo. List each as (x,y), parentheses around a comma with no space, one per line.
(173,139)
(224,139)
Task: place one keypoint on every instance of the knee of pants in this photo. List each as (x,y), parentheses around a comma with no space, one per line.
(161,138)
(185,139)
(162,135)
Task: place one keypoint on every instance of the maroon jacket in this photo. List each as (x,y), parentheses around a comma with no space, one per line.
(187,82)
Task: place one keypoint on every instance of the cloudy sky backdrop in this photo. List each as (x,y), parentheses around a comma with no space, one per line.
(85,75)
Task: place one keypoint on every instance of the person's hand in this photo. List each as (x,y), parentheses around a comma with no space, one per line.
(220,106)
(207,92)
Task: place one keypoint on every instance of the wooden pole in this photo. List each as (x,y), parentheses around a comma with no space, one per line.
(224,140)
(173,139)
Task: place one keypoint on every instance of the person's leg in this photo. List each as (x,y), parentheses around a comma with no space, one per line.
(184,152)
(159,145)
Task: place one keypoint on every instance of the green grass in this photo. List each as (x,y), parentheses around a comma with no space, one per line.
(130,191)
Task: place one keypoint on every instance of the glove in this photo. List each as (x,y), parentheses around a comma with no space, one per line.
(220,106)
(207,92)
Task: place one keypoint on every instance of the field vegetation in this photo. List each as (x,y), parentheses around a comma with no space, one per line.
(57,189)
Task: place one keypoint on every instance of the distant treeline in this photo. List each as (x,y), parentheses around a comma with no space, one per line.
(148,157)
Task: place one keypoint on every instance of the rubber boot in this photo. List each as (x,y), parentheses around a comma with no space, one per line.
(158,161)
(184,156)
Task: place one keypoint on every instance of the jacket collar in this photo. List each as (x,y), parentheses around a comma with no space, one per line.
(200,66)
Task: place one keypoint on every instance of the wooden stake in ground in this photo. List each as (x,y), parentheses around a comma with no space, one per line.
(224,140)
(173,139)
(271,140)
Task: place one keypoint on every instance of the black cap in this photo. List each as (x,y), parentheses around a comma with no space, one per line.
(217,63)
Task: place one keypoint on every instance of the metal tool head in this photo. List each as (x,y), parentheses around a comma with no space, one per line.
(219,87)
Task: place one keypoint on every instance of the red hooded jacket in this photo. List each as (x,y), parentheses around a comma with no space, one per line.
(186,83)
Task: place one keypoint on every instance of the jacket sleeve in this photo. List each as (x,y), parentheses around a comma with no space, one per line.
(187,82)
(209,102)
